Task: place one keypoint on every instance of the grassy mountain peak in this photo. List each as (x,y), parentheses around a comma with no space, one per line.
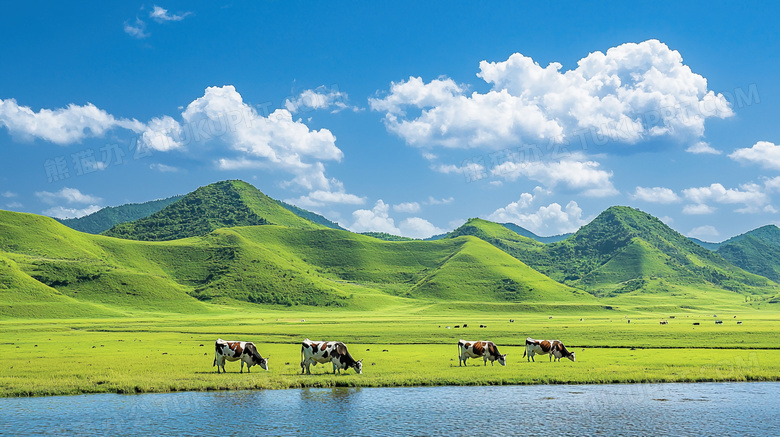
(757,251)
(219,205)
(111,216)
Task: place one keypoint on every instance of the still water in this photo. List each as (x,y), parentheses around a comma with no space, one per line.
(738,409)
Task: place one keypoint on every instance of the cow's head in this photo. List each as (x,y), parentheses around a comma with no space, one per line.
(358,366)
(502,360)
(571,356)
(256,358)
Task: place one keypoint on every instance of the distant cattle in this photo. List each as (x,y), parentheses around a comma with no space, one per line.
(555,348)
(476,349)
(334,352)
(465,325)
(695,323)
(739,322)
(511,320)
(664,322)
(237,350)
(483,326)
(719,322)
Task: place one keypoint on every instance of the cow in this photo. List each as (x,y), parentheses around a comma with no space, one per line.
(475,349)
(334,352)
(536,347)
(559,351)
(238,350)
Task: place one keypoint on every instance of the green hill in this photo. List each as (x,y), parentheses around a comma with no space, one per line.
(265,264)
(623,250)
(526,233)
(110,216)
(219,205)
(308,215)
(757,251)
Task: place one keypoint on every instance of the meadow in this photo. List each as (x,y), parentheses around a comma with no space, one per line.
(402,346)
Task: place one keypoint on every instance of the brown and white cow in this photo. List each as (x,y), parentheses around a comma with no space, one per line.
(559,351)
(238,350)
(476,349)
(555,348)
(334,352)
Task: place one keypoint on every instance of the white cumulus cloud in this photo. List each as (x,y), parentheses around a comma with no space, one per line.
(763,153)
(376,219)
(319,98)
(655,195)
(704,232)
(416,227)
(62,212)
(701,147)
(407,207)
(68,195)
(63,125)
(546,220)
(630,93)
(574,172)
(752,196)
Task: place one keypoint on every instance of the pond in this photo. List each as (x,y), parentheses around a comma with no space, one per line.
(629,409)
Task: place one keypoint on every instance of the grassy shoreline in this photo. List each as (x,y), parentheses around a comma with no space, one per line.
(175,353)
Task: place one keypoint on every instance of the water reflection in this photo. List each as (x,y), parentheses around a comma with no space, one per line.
(641,409)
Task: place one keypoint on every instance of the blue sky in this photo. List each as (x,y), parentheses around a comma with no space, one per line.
(399,117)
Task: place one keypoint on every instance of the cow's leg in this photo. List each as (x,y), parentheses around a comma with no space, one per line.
(242,366)
(532,356)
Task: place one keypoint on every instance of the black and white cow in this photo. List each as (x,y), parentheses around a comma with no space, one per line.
(476,349)
(334,352)
(237,350)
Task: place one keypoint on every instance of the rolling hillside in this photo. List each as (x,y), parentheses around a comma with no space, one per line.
(265,264)
(219,205)
(110,216)
(757,251)
(623,250)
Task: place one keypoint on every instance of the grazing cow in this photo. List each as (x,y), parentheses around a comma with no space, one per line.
(238,350)
(664,322)
(536,347)
(334,352)
(559,351)
(475,349)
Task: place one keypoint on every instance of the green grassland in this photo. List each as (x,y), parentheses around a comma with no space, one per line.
(83,313)
(175,353)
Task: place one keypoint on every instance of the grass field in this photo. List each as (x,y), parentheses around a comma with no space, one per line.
(175,352)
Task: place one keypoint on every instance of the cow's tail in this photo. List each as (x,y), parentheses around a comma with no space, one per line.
(525,351)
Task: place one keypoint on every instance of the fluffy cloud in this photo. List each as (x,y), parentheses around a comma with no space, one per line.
(320,98)
(63,125)
(763,153)
(69,195)
(222,115)
(633,92)
(695,209)
(701,147)
(703,232)
(61,212)
(546,220)
(576,174)
(416,227)
(161,15)
(378,219)
(407,207)
(8,194)
(752,196)
(655,195)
